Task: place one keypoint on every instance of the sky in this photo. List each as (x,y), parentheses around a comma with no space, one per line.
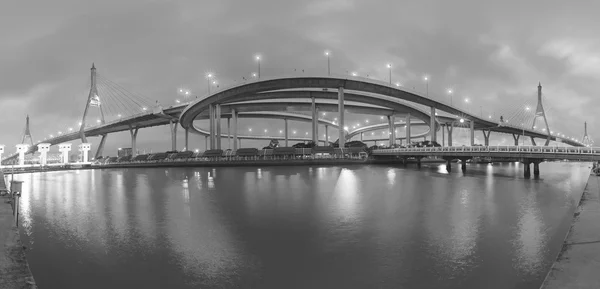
(492,52)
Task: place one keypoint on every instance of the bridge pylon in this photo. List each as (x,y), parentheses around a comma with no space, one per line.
(93,101)
(27,133)
(541,113)
(586,139)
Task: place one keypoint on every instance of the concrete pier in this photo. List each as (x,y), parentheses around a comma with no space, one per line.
(14,269)
(578,262)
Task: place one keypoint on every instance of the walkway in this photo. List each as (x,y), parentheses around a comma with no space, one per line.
(14,269)
(578,263)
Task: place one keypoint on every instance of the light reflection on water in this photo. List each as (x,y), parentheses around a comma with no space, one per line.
(298,227)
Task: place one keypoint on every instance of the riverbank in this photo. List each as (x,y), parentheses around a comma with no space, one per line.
(578,263)
(14,268)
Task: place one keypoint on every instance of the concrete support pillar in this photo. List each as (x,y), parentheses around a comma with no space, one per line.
(100,149)
(228,133)
(516,138)
(472,130)
(187,137)
(234,116)
(362,134)
(286,131)
(486,136)
(22,149)
(65,148)
(433,132)
(527,169)
(463,164)
(43,148)
(342,134)
(84,149)
(1,152)
(448,165)
(443,136)
(211,125)
(133,132)
(450,128)
(536,168)
(326,135)
(173,126)
(205,142)
(218,124)
(315,121)
(391,124)
(407,129)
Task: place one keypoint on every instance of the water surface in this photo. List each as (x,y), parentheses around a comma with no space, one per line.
(298,227)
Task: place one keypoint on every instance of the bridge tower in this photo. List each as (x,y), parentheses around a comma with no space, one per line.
(540,112)
(27,132)
(586,139)
(93,101)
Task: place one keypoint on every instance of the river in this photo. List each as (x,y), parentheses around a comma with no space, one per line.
(363,226)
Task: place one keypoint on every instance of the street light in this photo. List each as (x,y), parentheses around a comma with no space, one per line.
(426,78)
(389,65)
(328,67)
(450,93)
(354,74)
(257,57)
(208,77)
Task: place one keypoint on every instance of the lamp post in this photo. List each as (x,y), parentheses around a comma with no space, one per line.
(389,65)
(426,78)
(328,67)
(208,77)
(258,61)
(450,93)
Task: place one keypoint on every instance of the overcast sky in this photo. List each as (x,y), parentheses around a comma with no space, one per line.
(493,52)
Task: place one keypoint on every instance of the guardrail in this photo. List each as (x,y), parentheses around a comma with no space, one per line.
(496,149)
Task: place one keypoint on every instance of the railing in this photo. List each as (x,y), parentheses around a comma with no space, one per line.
(496,149)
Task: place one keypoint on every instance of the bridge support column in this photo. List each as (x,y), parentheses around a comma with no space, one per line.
(433,132)
(391,123)
(228,133)
(443,136)
(211,125)
(205,142)
(100,149)
(419,162)
(234,116)
(516,137)
(173,126)
(407,129)
(448,164)
(361,136)
(472,130)
(286,132)
(536,168)
(326,135)
(218,124)
(133,132)
(85,148)
(65,148)
(342,132)
(43,148)
(22,149)
(1,152)
(187,138)
(486,136)
(463,164)
(450,128)
(527,169)
(533,141)
(315,121)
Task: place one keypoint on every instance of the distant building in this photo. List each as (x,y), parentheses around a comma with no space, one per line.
(123,152)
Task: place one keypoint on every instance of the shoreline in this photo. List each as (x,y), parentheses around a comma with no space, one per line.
(14,267)
(578,261)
